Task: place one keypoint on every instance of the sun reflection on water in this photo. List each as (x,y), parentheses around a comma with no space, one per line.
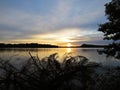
(68,50)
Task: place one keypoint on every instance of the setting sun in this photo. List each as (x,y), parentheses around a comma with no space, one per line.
(69,45)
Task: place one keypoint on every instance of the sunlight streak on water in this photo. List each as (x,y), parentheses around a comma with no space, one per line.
(20,54)
(68,50)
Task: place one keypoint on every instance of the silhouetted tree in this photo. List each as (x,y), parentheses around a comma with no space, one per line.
(111,28)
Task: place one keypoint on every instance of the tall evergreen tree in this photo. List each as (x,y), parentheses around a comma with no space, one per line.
(111,28)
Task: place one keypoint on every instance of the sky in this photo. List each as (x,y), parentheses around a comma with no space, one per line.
(55,22)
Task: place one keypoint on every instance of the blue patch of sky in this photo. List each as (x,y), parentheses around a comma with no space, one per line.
(32,6)
(93,25)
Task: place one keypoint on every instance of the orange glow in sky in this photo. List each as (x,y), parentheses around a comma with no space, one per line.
(69,44)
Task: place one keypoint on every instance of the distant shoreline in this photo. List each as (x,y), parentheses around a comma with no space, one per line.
(36,45)
(27,45)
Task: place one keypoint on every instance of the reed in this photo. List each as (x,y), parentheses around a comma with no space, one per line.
(74,73)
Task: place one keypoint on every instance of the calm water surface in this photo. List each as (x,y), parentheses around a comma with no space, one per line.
(91,53)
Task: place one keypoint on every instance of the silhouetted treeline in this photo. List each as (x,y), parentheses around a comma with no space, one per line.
(86,46)
(92,46)
(27,45)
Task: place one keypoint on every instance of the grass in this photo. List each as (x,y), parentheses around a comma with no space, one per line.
(74,73)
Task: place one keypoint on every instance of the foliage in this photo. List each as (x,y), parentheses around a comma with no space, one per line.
(111,28)
(47,73)
(74,73)
(110,80)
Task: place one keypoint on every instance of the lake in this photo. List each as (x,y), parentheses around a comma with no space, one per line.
(22,54)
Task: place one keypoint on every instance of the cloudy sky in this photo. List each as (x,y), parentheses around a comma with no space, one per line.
(51,21)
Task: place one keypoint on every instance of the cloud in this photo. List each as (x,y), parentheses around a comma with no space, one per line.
(65,18)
